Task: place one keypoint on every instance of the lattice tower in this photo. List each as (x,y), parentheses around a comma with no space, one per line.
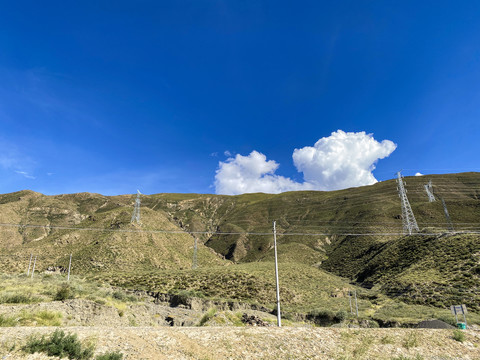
(409,223)
(136,209)
(429,190)
(447,216)
(194,263)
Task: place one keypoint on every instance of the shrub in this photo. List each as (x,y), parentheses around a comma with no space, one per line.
(65,292)
(18,299)
(59,344)
(387,339)
(207,316)
(26,318)
(7,321)
(341,316)
(119,295)
(458,335)
(46,318)
(322,316)
(411,340)
(110,356)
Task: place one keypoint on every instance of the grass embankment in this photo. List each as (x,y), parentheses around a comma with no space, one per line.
(306,293)
(439,270)
(22,289)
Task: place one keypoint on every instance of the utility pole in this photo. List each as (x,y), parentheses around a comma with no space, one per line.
(447,216)
(136,209)
(356,302)
(34,262)
(194,263)
(279,318)
(69,267)
(429,190)
(409,223)
(350,301)
(29,264)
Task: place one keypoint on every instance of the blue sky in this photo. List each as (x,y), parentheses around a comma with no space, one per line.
(111,96)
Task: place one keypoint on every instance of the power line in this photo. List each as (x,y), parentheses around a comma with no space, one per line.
(223,233)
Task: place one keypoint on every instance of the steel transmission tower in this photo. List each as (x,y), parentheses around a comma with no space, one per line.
(194,264)
(136,209)
(447,216)
(409,223)
(429,190)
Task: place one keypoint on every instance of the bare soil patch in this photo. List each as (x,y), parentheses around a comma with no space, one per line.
(258,343)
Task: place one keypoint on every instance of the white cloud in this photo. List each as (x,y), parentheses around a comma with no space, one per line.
(12,160)
(418,174)
(227,153)
(252,173)
(25,174)
(341,160)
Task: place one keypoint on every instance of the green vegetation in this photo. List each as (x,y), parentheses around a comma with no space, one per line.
(110,356)
(411,340)
(207,316)
(16,298)
(65,292)
(54,288)
(66,345)
(59,344)
(458,335)
(27,318)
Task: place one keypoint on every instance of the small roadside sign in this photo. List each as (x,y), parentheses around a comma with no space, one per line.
(457,310)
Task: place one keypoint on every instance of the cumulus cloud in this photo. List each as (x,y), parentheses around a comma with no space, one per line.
(341,160)
(418,174)
(252,173)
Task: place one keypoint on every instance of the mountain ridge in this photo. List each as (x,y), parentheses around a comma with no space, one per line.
(354,235)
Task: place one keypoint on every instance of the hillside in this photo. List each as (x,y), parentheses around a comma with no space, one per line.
(328,242)
(96,229)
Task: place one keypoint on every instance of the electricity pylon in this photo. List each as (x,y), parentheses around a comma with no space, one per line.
(194,263)
(447,216)
(136,209)
(429,190)
(409,222)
